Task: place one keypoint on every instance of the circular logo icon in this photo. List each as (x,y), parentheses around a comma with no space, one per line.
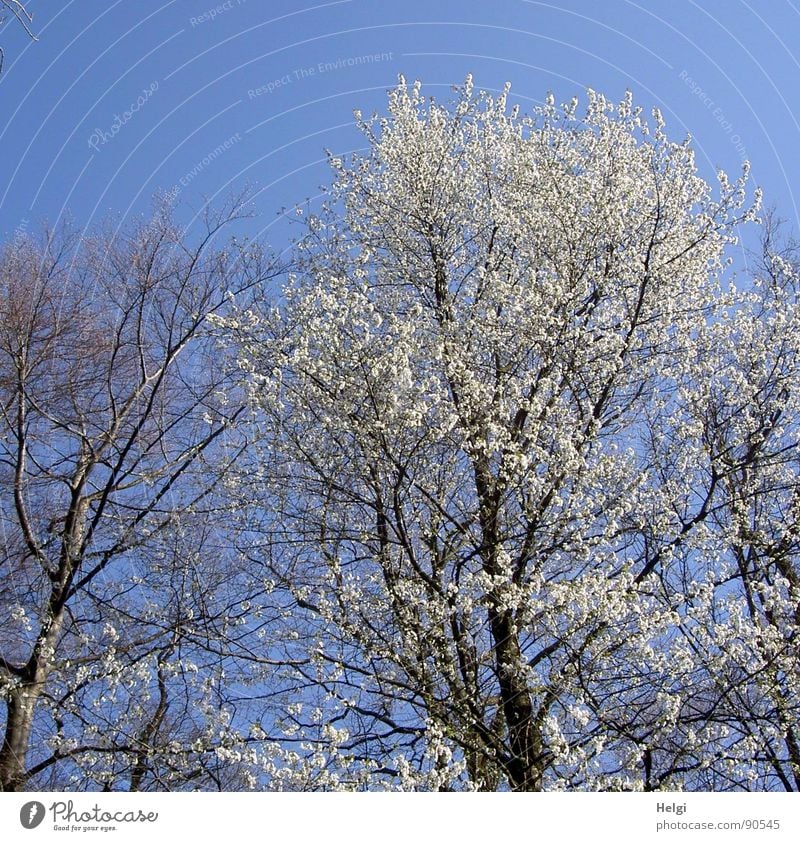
(31,814)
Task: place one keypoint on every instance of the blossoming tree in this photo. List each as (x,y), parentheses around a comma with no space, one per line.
(529,465)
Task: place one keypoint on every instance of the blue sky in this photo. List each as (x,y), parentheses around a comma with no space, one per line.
(120,99)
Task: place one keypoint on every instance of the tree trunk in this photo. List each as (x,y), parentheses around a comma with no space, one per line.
(524,765)
(20,707)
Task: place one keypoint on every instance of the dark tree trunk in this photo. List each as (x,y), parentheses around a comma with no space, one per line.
(19,720)
(524,766)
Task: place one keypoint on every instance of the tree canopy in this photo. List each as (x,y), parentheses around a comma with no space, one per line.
(533,462)
(501,492)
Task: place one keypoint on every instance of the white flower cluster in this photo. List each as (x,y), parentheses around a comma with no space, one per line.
(537,468)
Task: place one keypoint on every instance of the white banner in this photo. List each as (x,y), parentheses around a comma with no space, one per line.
(415,817)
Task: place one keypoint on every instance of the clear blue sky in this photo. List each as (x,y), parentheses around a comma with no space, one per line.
(119,99)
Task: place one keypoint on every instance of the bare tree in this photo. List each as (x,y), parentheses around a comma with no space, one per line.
(122,597)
